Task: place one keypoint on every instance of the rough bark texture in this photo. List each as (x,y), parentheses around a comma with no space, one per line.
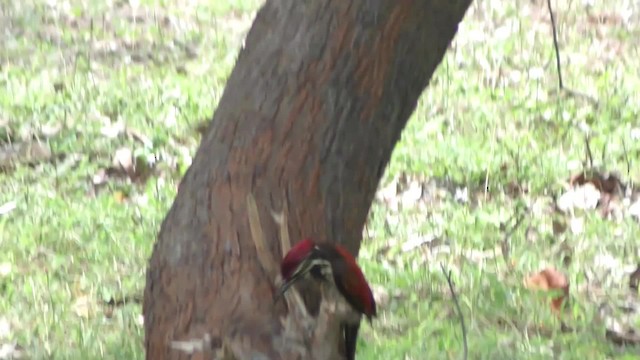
(310,116)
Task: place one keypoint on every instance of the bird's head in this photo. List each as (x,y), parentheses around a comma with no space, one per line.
(328,262)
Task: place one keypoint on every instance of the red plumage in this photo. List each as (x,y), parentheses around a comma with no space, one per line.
(294,257)
(354,282)
(347,274)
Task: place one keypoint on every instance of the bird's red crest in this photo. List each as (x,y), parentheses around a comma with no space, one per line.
(295,255)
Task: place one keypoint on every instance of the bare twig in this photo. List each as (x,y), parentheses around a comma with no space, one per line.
(555,45)
(589,153)
(447,274)
(626,157)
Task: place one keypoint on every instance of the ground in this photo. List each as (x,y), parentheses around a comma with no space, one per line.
(101,107)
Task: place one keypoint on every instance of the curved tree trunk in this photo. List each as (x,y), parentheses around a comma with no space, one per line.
(308,120)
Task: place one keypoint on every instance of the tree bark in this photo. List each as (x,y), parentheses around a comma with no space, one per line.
(308,120)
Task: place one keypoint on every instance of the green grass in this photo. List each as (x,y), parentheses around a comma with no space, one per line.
(490,117)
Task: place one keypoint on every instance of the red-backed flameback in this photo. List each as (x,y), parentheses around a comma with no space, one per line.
(334,266)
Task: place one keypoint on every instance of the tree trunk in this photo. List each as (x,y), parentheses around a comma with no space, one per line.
(308,120)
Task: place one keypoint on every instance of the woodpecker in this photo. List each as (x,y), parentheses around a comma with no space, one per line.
(334,266)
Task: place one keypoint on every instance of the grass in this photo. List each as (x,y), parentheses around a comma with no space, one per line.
(489,124)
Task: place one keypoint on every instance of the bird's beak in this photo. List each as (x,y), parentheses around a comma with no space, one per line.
(283,288)
(300,272)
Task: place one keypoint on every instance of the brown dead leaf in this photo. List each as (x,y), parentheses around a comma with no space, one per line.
(607,183)
(550,279)
(591,190)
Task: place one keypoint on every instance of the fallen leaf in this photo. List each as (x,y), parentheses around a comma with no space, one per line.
(100,177)
(171,117)
(5,328)
(412,194)
(550,280)
(585,197)
(577,225)
(609,183)
(634,209)
(388,192)
(83,306)
(113,130)
(462,195)
(592,189)
(7,207)
(123,160)
(5,269)
(11,351)
(417,241)
(50,130)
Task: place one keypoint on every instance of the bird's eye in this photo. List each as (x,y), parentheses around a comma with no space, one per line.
(317,272)
(321,272)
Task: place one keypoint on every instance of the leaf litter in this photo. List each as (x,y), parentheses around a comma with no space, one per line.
(586,191)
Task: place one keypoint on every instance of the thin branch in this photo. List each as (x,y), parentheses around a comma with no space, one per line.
(589,153)
(447,274)
(555,45)
(626,157)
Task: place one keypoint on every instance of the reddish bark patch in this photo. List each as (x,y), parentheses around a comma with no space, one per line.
(374,64)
